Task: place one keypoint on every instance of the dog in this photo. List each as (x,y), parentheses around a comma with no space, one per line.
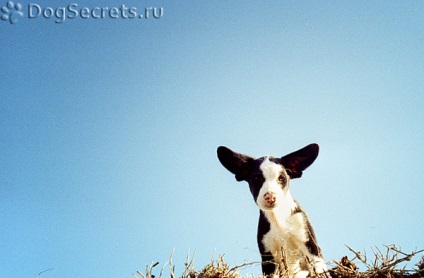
(286,239)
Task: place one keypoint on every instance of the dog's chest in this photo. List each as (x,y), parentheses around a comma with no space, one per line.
(287,236)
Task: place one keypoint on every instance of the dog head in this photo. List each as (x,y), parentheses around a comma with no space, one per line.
(268,176)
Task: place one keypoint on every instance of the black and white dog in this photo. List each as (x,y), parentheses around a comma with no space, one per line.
(286,238)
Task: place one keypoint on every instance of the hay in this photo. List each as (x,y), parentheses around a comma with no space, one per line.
(389,263)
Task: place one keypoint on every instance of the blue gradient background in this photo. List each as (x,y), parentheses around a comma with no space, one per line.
(109,129)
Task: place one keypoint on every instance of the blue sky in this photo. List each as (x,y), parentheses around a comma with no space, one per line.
(109,129)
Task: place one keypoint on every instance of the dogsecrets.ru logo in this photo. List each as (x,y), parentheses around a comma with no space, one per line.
(14,12)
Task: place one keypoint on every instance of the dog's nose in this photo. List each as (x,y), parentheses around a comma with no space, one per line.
(270,198)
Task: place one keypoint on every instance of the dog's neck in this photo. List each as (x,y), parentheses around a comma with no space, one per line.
(278,216)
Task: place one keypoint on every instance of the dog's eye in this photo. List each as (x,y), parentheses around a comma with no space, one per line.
(282,179)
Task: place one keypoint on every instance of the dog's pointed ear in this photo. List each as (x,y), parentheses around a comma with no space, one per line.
(236,163)
(298,161)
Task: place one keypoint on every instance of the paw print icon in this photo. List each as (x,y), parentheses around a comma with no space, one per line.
(11,12)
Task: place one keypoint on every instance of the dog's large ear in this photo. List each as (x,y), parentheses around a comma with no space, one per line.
(236,163)
(298,161)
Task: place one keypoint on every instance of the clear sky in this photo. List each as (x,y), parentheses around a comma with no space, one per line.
(110,124)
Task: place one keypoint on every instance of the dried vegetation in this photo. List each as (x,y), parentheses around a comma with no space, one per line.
(389,262)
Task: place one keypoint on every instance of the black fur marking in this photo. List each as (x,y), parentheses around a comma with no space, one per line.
(263,228)
(311,244)
(255,186)
(268,265)
(298,209)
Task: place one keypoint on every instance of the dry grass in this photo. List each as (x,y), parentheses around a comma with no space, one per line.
(389,263)
(215,269)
